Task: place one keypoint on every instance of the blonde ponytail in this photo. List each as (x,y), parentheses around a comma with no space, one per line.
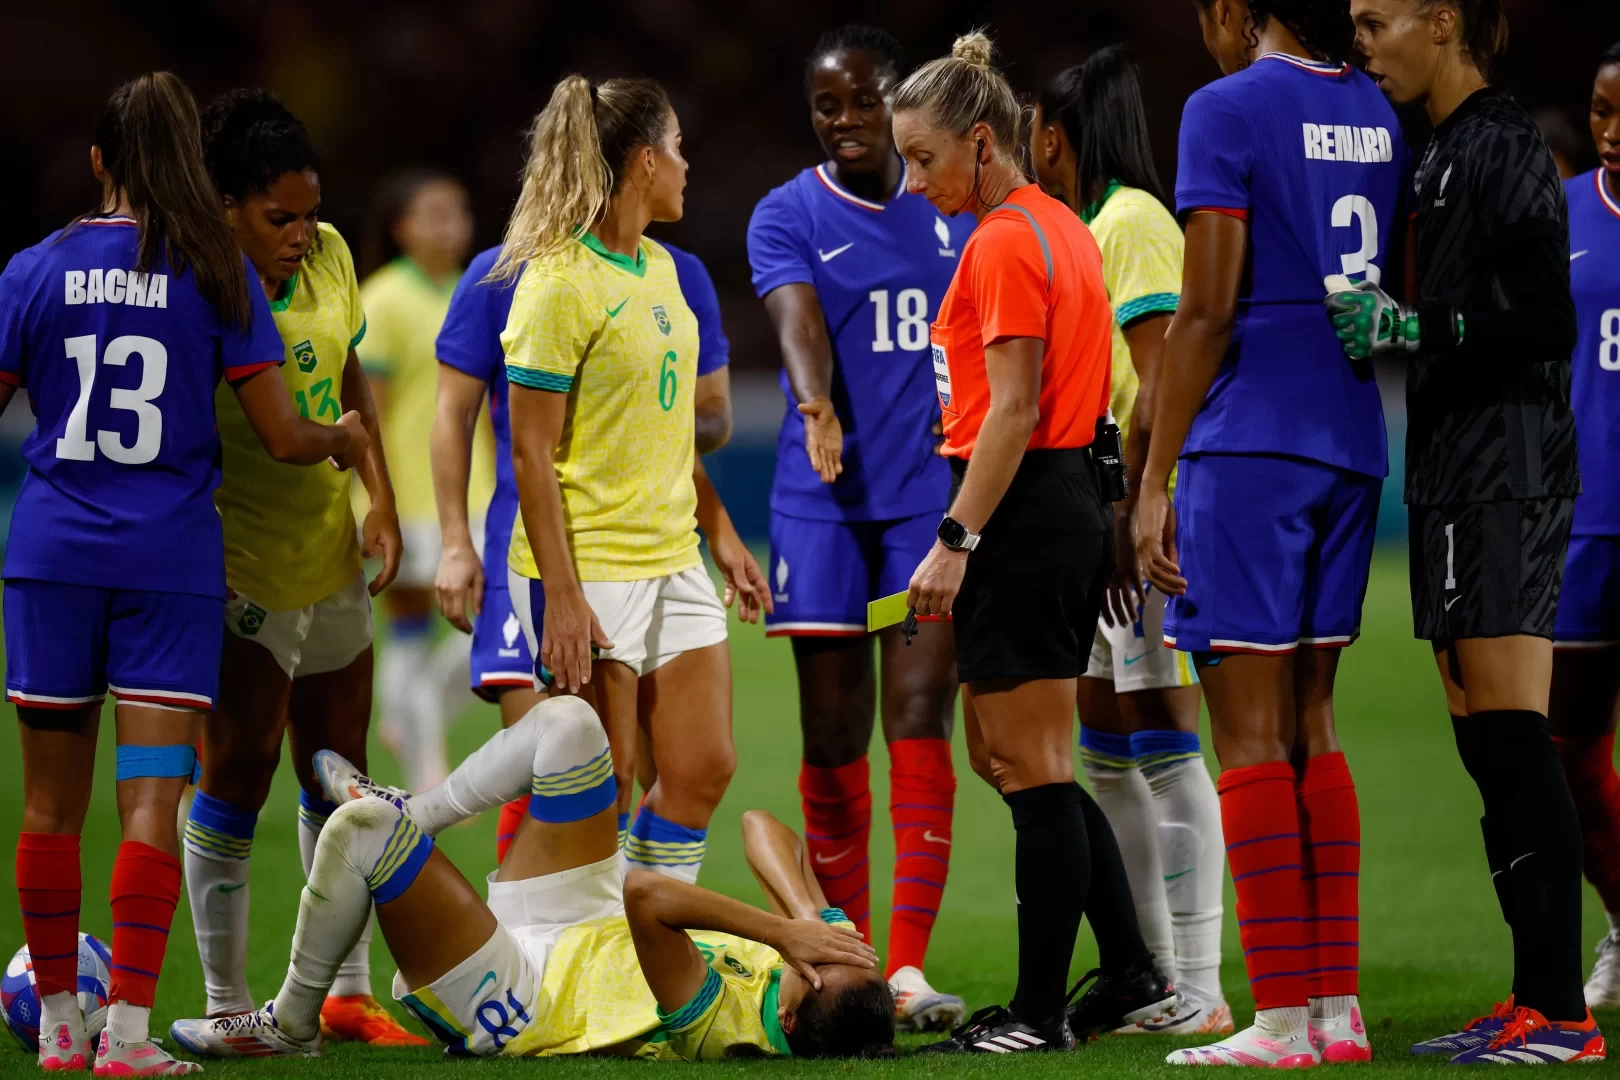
(577,149)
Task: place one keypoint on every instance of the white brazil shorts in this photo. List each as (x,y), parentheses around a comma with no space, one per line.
(1133,657)
(650,622)
(485,1001)
(324,636)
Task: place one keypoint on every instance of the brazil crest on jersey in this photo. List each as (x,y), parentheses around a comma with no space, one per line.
(1594,278)
(1311,155)
(120,369)
(880,271)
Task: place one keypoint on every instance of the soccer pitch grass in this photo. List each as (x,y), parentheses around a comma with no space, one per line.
(1434,949)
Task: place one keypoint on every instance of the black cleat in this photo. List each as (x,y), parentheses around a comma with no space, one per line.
(1138,993)
(995,1030)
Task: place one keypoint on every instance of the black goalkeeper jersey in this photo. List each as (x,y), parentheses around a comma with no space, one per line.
(1489,418)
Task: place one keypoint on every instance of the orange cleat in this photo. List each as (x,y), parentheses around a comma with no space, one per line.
(361,1018)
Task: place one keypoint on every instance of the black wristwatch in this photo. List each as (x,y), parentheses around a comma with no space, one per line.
(954,535)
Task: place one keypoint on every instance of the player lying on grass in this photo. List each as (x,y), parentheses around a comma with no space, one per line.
(569,956)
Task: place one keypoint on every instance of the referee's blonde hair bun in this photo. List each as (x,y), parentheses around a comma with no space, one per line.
(975,47)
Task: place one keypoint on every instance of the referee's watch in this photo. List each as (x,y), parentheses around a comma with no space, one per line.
(954,535)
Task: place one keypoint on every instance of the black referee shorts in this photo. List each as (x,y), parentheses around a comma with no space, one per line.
(1033,589)
(1490,569)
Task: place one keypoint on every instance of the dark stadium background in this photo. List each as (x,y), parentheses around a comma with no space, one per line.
(385,85)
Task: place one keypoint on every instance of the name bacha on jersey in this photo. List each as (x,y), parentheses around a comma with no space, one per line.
(880,271)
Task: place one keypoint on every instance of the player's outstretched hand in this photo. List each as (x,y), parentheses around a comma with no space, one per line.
(823,438)
(937,581)
(460,586)
(1156,541)
(1371,323)
(1124,596)
(568,633)
(804,943)
(745,581)
(380,539)
(358,443)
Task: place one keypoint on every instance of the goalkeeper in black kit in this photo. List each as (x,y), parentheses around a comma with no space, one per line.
(1491,481)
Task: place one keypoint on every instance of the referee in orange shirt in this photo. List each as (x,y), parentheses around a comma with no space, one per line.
(1022,363)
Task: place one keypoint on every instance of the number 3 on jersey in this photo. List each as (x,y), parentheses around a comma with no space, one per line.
(1346,213)
(75,443)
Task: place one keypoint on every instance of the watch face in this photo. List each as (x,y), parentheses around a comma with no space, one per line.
(952,533)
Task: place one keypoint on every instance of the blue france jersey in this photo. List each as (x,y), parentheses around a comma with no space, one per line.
(120,369)
(880,272)
(714,349)
(1594,277)
(1311,154)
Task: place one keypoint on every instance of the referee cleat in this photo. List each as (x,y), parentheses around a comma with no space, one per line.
(343,783)
(1603,988)
(1138,994)
(1476,1033)
(1529,1038)
(361,1018)
(66,1049)
(250,1035)
(995,1030)
(919,1007)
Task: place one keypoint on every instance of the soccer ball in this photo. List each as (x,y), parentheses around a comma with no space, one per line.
(21,1001)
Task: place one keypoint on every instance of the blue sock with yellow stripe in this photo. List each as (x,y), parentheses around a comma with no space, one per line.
(575,792)
(664,847)
(624,830)
(1156,751)
(217,844)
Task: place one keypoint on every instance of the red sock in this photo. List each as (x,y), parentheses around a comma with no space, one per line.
(1261,823)
(1330,833)
(922,796)
(506,826)
(837,829)
(48,888)
(1589,765)
(145,888)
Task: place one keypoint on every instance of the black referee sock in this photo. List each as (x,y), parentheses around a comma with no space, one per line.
(1532,815)
(1052,873)
(1109,907)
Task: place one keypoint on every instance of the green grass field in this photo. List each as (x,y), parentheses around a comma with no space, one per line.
(1434,949)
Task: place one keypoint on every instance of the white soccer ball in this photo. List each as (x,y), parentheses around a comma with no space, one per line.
(20,998)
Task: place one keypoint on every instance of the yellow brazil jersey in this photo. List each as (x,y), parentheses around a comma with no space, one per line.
(593,999)
(616,336)
(404,310)
(1141,250)
(289,532)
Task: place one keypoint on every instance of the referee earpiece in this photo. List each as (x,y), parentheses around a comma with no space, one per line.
(981,150)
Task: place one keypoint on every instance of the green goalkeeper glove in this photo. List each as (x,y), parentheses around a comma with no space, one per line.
(1371,323)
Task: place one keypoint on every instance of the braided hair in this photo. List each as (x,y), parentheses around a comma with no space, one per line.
(858,37)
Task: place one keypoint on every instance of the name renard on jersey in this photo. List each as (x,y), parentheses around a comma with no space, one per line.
(115,286)
(1340,142)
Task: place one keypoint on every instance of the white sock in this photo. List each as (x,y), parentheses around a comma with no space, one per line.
(1194,853)
(452,668)
(56,1009)
(217,846)
(1119,788)
(401,681)
(1334,1005)
(555,735)
(1281,1021)
(1614,921)
(354,976)
(335,907)
(129,1023)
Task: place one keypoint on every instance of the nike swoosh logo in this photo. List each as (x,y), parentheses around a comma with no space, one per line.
(829,256)
(1520,859)
(489,977)
(929,836)
(613,312)
(228,889)
(1577,254)
(1129,660)
(823,860)
(1172,877)
(1453,600)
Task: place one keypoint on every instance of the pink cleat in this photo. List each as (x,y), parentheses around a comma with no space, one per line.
(1255,1047)
(115,1058)
(1341,1039)
(65,1050)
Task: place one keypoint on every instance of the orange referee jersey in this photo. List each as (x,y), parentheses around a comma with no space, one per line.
(1030,269)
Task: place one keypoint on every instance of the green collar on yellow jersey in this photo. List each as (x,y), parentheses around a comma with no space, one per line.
(636,266)
(284,298)
(768,1018)
(1089,214)
(412,268)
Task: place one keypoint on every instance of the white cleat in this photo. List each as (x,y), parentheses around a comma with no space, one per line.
(1200,1014)
(343,782)
(919,1007)
(1256,1047)
(66,1049)
(1341,1039)
(147,1058)
(250,1035)
(1603,988)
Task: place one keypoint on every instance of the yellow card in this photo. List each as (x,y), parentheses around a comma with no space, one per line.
(889,611)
